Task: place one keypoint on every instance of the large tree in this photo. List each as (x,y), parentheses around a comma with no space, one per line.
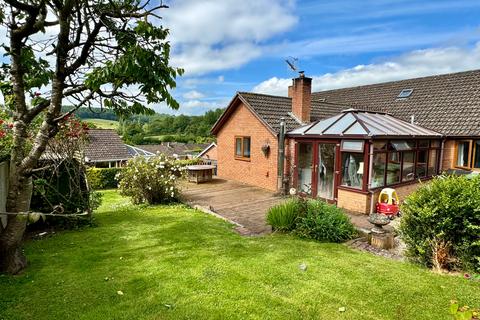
(107,53)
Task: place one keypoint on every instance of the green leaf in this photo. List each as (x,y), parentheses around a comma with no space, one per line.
(454,308)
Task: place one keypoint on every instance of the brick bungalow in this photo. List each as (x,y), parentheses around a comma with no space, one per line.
(105,149)
(345,145)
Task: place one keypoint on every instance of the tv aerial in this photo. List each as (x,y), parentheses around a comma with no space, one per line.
(292,63)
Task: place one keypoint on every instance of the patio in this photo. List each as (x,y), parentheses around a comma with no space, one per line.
(241,204)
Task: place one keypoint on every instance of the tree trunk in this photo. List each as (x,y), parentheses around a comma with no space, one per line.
(12,259)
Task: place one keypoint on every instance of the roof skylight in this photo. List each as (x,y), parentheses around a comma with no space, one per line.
(405,93)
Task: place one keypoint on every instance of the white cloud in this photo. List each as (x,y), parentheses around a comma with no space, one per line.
(210,22)
(192,95)
(410,65)
(200,59)
(217,35)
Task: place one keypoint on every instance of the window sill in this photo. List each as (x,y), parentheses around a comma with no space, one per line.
(242,159)
(464,168)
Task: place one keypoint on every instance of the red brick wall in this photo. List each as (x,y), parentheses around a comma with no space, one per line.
(260,170)
(302,98)
(290,161)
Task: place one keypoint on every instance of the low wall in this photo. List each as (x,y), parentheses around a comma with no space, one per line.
(353,201)
(360,202)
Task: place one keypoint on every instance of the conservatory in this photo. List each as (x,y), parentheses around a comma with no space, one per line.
(348,158)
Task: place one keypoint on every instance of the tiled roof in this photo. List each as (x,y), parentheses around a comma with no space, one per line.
(449,103)
(272,108)
(105,145)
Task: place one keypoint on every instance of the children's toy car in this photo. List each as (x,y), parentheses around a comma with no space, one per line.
(388,203)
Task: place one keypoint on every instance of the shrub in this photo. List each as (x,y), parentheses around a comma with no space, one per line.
(283,217)
(463,313)
(441,223)
(188,162)
(324,222)
(152,180)
(102,178)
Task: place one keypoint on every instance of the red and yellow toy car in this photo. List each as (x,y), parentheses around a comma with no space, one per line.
(388,203)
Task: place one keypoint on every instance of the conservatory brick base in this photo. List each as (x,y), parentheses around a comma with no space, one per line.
(358,202)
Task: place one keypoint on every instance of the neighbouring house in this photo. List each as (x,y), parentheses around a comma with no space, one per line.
(209,153)
(175,150)
(105,149)
(345,145)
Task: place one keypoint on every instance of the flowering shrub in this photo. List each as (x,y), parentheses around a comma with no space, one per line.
(151,180)
(72,128)
(6,136)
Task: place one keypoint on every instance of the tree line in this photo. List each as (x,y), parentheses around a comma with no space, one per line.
(151,129)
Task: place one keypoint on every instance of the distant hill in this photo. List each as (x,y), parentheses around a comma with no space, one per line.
(93,113)
(103,123)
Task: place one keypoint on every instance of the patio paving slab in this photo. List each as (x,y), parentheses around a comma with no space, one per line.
(243,205)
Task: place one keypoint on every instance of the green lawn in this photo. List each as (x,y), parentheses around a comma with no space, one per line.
(171,262)
(103,123)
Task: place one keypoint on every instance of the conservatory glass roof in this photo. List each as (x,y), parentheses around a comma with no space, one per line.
(358,123)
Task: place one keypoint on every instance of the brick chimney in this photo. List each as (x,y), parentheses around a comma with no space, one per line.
(301,94)
(290,91)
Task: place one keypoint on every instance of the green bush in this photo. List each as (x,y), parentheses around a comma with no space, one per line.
(188,162)
(283,217)
(324,222)
(102,178)
(441,223)
(153,180)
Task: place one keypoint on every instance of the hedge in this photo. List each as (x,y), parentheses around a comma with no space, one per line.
(441,223)
(102,178)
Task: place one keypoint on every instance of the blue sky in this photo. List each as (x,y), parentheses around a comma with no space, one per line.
(227,46)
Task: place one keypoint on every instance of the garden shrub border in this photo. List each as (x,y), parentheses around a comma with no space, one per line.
(311,219)
(102,178)
(441,223)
